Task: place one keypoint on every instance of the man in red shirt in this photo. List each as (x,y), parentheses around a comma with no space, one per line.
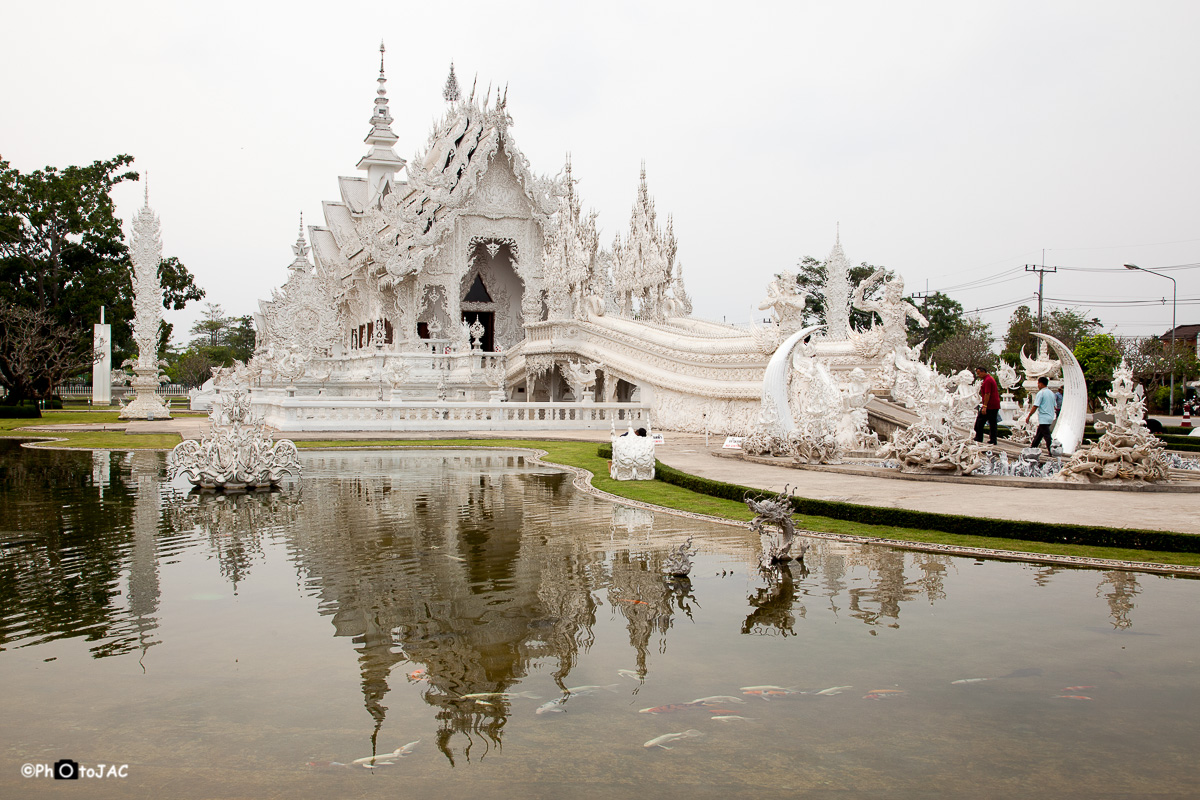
(989,406)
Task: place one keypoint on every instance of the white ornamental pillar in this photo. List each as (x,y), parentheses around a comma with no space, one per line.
(146,253)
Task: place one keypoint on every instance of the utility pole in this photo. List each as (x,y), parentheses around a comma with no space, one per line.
(1041,270)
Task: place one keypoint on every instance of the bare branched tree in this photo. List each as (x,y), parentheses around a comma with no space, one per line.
(36,353)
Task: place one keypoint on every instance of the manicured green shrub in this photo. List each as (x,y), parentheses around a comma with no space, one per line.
(19,412)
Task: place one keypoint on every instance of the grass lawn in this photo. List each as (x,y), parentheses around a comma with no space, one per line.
(583,454)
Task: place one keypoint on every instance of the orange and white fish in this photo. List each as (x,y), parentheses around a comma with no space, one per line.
(1071,697)
(667,709)
(716,699)
(418,674)
(1077,688)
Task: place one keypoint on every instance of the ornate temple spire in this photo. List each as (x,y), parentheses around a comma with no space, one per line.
(450,92)
(837,292)
(301,248)
(145,251)
(381,162)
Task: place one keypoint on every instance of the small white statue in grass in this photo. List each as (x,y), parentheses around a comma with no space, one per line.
(632,454)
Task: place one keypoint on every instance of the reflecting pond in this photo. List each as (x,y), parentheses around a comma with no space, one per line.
(520,633)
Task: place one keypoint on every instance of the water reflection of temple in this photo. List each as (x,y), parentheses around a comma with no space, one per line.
(469,566)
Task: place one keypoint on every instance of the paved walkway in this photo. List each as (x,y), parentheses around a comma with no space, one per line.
(688,452)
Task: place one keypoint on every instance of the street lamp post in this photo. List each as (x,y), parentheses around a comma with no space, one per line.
(1171,360)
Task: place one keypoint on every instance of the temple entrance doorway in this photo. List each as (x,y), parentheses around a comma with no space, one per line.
(492,289)
(488,320)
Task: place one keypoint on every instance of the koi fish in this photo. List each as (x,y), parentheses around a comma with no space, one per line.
(832,690)
(667,709)
(716,698)
(879,694)
(1071,697)
(417,674)
(381,759)
(501,695)
(766,688)
(553,707)
(730,716)
(585,690)
(631,674)
(638,602)
(969,680)
(1077,688)
(379,764)
(659,741)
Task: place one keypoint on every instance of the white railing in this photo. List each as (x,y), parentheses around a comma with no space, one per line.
(334,414)
(82,389)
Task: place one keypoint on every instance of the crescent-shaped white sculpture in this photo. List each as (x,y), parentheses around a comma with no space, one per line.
(1071,420)
(775,379)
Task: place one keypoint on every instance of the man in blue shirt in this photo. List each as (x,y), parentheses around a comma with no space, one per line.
(1044,403)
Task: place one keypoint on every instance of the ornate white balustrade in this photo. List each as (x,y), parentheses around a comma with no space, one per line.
(351,414)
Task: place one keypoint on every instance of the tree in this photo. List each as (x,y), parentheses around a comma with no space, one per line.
(1098,356)
(192,367)
(211,329)
(218,340)
(946,318)
(811,279)
(62,254)
(36,353)
(1065,324)
(969,347)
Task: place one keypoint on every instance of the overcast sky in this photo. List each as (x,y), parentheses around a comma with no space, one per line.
(952,141)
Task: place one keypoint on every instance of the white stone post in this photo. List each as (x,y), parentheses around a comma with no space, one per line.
(102,367)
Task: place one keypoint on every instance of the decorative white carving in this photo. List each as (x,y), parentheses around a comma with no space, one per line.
(892,309)
(632,456)
(643,264)
(237,453)
(1127,450)
(786,301)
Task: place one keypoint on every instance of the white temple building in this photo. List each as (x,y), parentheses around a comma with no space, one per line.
(460,289)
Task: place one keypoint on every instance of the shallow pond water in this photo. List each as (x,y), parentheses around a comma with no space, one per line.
(258,646)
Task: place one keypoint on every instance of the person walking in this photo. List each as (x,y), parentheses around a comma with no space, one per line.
(989,406)
(1043,401)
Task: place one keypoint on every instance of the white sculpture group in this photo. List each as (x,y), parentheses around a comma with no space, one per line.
(236,454)
(1127,450)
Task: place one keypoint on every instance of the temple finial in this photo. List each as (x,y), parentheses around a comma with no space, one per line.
(301,248)
(838,234)
(381,161)
(450,92)
(146,178)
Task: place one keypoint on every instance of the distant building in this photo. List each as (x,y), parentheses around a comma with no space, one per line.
(1184,333)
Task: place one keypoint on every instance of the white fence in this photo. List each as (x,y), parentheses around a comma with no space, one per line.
(83,389)
(331,414)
